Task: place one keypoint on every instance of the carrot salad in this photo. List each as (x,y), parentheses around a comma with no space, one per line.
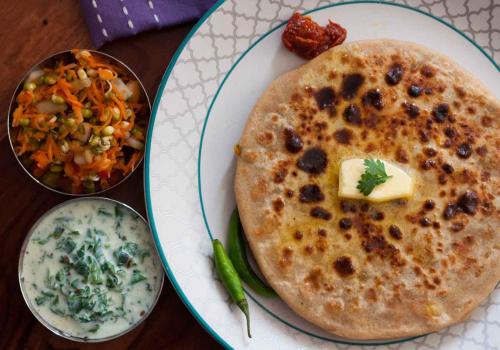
(78,125)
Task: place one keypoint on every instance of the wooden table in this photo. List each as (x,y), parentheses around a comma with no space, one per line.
(32,30)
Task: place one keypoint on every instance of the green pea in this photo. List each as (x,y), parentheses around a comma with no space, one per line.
(115,112)
(56,168)
(94,140)
(136,132)
(108,95)
(87,113)
(50,80)
(24,122)
(29,86)
(50,179)
(58,100)
(89,186)
(70,122)
(108,131)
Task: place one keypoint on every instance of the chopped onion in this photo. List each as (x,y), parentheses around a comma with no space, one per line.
(34,75)
(135,89)
(93,178)
(134,143)
(88,156)
(50,108)
(122,89)
(79,159)
(64,146)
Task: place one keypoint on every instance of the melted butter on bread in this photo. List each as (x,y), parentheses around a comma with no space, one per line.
(400,185)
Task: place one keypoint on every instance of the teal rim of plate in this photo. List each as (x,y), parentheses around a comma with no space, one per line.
(147,192)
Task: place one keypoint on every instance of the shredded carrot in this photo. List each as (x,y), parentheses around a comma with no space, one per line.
(41,158)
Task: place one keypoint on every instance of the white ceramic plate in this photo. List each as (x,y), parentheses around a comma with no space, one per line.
(215,78)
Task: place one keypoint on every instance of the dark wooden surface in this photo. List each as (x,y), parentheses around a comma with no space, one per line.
(31,30)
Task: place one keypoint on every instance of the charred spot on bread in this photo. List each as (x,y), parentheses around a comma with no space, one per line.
(350,85)
(468,202)
(373,98)
(414,90)
(395,232)
(293,142)
(394,74)
(464,150)
(311,193)
(278,205)
(345,223)
(313,161)
(352,114)
(320,213)
(441,112)
(325,97)
(344,267)
(411,110)
(343,136)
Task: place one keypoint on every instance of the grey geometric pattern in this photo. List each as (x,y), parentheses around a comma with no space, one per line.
(190,89)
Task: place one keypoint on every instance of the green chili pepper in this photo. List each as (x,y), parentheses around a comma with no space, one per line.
(236,249)
(230,279)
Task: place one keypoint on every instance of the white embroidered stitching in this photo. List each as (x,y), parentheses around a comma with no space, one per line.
(151,6)
(99,19)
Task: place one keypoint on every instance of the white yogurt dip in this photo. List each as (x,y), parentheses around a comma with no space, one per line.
(89,269)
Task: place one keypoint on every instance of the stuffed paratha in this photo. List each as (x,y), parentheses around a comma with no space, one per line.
(367,270)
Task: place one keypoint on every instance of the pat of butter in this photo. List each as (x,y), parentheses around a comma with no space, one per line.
(400,185)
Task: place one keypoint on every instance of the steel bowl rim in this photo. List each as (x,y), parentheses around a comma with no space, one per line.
(58,331)
(12,103)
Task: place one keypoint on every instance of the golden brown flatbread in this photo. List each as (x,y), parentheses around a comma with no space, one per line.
(374,270)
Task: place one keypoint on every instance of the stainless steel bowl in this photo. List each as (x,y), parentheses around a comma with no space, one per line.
(50,62)
(58,331)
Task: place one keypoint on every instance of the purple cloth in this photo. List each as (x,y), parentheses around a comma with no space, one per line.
(111,19)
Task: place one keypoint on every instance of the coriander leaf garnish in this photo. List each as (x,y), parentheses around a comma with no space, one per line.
(104,212)
(58,231)
(94,329)
(373,176)
(137,276)
(66,244)
(42,298)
